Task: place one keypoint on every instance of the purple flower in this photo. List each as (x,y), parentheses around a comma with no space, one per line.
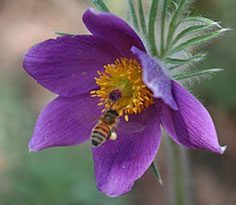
(112,68)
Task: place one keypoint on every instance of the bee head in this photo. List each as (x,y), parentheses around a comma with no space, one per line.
(110,116)
(112,112)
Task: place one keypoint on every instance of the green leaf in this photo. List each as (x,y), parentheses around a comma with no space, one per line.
(198,73)
(197,40)
(151,27)
(101,6)
(175,21)
(177,13)
(133,14)
(64,34)
(177,62)
(156,172)
(142,18)
(200,20)
(191,30)
(163,20)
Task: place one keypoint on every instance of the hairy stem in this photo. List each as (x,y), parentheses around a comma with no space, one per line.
(178,168)
(185,166)
(170,189)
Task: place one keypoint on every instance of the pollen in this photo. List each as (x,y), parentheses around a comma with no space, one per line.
(122,89)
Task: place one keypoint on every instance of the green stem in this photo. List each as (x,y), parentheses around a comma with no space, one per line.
(185,164)
(179,175)
(171,180)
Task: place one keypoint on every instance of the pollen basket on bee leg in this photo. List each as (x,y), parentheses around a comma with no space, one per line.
(113,136)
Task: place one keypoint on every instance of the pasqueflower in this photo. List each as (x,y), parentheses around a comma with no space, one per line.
(111,69)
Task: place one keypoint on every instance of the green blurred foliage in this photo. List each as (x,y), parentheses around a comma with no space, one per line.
(62,176)
(220,91)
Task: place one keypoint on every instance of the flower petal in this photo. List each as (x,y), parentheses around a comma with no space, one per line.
(191,125)
(67,65)
(155,78)
(119,163)
(113,29)
(64,122)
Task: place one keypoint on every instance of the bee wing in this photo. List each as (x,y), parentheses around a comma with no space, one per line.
(130,127)
(93,120)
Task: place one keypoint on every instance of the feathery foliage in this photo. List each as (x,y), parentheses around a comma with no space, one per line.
(174,36)
(197,73)
(101,6)
(133,14)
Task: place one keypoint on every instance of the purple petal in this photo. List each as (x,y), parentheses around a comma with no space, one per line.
(119,163)
(64,122)
(191,125)
(67,65)
(155,78)
(113,29)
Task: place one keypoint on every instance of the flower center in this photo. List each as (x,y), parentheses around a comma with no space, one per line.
(122,88)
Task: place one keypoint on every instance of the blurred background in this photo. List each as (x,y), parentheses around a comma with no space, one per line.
(64,176)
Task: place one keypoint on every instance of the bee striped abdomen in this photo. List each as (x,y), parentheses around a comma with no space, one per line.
(101,132)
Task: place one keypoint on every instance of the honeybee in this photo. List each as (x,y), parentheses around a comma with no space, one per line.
(105,128)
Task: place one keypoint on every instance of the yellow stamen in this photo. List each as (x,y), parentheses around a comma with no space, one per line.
(122,88)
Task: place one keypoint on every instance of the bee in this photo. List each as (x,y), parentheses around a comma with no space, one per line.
(105,128)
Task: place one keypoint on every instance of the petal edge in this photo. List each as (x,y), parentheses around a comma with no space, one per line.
(67,65)
(114,29)
(65,122)
(155,78)
(190,125)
